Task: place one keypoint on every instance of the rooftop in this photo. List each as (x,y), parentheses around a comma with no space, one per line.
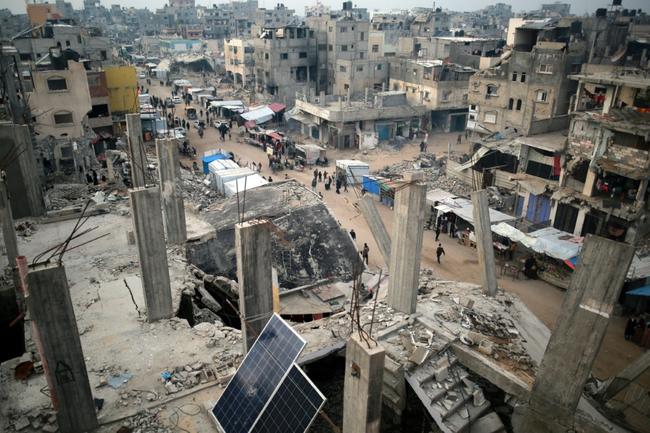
(636,78)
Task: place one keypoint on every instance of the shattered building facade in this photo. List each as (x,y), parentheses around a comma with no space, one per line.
(529,89)
(441,87)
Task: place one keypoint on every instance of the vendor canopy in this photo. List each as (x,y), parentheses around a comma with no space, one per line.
(550,241)
(464,208)
(259,115)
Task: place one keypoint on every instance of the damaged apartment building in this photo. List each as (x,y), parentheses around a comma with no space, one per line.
(440,86)
(529,89)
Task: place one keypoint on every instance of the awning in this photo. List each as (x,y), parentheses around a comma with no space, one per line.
(438,195)
(230,103)
(276,107)
(259,115)
(249,124)
(549,241)
(464,209)
(480,153)
(274,135)
(641,291)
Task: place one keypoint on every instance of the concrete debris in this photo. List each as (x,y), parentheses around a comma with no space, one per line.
(195,192)
(147,421)
(63,195)
(26,228)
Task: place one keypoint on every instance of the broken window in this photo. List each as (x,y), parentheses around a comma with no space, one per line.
(542,96)
(361,55)
(56,83)
(359,68)
(523,77)
(361,36)
(343,29)
(330,47)
(375,48)
(514,76)
(284,56)
(343,69)
(63,117)
(518,104)
(511,103)
(302,55)
(344,47)
(545,69)
(491,90)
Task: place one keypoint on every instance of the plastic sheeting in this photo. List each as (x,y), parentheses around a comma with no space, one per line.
(550,241)
(243,184)
(464,209)
(259,115)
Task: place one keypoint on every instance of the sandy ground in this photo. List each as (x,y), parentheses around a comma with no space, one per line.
(459,263)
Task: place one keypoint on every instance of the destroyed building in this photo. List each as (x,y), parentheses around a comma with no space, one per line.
(478,53)
(239,61)
(358,123)
(308,244)
(440,86)
(529,89)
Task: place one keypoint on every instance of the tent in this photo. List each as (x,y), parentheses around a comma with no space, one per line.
(354,170)
(209,158)
(464,209)
(243,184)
(259,115)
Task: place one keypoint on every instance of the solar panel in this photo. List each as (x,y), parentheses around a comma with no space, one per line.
(293,407)
(259,375)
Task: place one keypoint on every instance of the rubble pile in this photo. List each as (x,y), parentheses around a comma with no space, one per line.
(41,419)
(186,377)
(434,173)
(26,228)
(196,192)
(64,195)
(147,421)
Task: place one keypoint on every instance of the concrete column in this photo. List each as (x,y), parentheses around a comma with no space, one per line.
(577,337)
(52,312)
(524,207)
(137,150)
(484,246)
(580,221)
(376,225)
(172,199)
(8,228)
(150,237)
(590,182)
(254,275)
(110,172)
(362,389)
(640,194)
(406,245)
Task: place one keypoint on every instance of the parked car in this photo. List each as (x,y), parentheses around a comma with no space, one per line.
(177,100)
(141,75)
(180,130)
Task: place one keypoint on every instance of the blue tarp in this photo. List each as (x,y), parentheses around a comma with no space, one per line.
(371,185)
(208,159)
(641,291)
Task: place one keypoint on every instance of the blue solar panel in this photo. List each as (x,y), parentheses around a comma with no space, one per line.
(293,407)
(258,376)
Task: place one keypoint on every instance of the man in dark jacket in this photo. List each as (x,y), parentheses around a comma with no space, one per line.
(439,252)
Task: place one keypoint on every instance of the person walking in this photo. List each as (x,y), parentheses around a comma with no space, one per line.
(320,176)
(345,184)
(353,235)
(313,183)
(338,185)
(437,232)
(364,253)
(440,251)
(460,139)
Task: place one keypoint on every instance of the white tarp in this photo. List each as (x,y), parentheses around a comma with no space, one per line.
(259,114)
(232,102)
(550,241)
(438,195)
(464,209)
(223,176)
(354,170)
(222,164)
(243,183)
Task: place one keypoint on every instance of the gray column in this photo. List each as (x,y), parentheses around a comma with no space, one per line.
(52,312)
(629,374)
(172,199)
(363,384)
(376,225)
(137,150)
(150,237)
(404,266)
(8,228)
(110,171)
(254,275)
(577,337)
(484,245)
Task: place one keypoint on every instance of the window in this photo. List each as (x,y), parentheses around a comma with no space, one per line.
(344,47)
(378,67)
(266,56)
(511,103)
(472,107)
(491,90)
(359,68)
(375,48)
(63,117)
(361,36)
(322,47)
(56,83)
(330,29)
(361,55)
(465,97)
(545,69)
(343,29)
(490,117)
(284,56)
(514,76)
(343,69)
(445,95)
(67,43)
(302,55)
(103,55)
(330,47)
(542,96)
(523,77)
(518,104)
(346,86)
(576,68)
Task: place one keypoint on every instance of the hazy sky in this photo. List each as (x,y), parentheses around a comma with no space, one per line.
(577,6)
